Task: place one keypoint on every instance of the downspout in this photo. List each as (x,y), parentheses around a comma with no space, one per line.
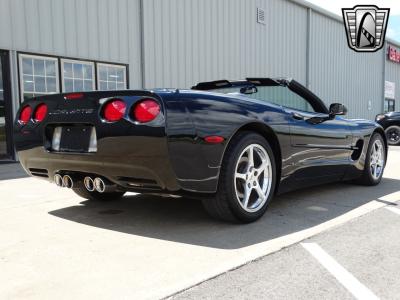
(308,48)
(142,46)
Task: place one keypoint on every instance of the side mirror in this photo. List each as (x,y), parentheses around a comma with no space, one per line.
(337,109)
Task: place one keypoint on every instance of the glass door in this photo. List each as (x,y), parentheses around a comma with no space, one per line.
(6,148)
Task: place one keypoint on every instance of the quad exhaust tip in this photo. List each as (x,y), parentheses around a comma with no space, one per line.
(99,185)
(89,184)
(58,180)
(67,181)
(63,181)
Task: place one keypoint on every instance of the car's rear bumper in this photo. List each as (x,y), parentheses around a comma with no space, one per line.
(132,162)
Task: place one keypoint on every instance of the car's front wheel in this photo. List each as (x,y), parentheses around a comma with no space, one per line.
(247,180)
(393,135)
(375,161)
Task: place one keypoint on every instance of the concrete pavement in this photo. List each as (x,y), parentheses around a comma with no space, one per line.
(54,244)
(367,247)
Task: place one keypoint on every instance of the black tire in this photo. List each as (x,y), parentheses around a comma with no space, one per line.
(367,178)
(393,135)
(225,205)
(81,191)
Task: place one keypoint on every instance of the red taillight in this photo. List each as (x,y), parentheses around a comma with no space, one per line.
(114,110)
(146,110)
(73,96)
(40,113)
(25,115)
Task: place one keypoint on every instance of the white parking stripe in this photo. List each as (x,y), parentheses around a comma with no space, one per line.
(351,283)
(393,209)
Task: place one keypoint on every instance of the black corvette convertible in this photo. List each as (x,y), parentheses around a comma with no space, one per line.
(234,144)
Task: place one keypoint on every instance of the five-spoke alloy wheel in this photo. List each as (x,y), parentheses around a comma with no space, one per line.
(375,161)
(247,180)
(253,177)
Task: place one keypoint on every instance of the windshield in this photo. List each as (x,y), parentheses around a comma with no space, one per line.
(279,95)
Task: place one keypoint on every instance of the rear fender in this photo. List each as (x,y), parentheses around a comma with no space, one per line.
(194,116)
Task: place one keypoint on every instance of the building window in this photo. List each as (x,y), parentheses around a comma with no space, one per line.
(389,105)
(77,76)
(111,77)
(38,75)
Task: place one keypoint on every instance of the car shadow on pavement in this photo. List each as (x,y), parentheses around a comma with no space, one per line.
(185,221)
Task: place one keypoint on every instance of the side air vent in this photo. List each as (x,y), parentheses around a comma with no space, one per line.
(260,15)
(357,150)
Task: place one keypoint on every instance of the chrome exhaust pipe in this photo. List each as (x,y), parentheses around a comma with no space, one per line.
(67,181)
(89,184)
(103,185)
(58,180)
(99,185)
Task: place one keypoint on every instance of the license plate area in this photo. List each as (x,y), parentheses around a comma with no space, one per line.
(74,138)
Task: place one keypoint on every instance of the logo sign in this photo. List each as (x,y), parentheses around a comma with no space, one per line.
(393,54)
(365,27)
(390,88)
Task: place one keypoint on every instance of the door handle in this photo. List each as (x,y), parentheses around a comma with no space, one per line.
(297,116)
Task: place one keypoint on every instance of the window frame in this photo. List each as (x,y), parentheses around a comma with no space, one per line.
(77,61)
(121,66)
(21,56)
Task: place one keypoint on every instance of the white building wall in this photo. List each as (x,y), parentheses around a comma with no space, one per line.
(188,41)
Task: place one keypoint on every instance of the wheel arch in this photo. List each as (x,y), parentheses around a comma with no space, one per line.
(380,131)
(267,132)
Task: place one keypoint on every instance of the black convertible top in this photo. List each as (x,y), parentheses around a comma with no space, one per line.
(220,84)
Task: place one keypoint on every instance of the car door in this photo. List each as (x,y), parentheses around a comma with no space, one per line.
(319,150)
(321,144)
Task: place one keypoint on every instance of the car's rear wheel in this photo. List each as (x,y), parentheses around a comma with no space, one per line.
(247,180)
(81,191)
(375,161)
(393,135)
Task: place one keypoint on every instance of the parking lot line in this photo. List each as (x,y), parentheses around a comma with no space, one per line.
(393,209)
(355,287)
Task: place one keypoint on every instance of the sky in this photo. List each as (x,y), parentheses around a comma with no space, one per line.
(393,30)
